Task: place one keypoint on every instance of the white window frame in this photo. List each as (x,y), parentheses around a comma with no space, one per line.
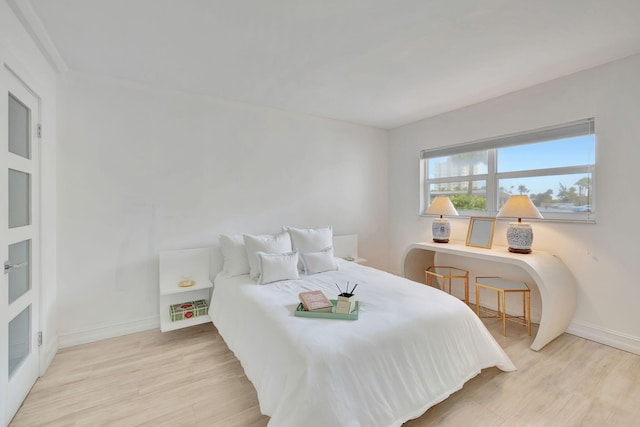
(492,177)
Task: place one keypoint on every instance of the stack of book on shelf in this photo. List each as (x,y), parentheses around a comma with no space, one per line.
(187,310)
(315,301)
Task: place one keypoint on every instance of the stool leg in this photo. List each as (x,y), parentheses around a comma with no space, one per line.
(466,290)
(504,314)
(477,300)
(529,311)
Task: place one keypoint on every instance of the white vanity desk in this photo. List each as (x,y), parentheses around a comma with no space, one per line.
(555,282)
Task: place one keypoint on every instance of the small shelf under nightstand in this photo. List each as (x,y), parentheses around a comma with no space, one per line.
(176,266)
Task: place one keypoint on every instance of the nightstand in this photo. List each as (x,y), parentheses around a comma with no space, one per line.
(176,266)
(357,260)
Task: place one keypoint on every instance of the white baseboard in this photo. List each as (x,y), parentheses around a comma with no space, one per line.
(49,353)
(68,339)
(605,336)
(594,333)
(71,338)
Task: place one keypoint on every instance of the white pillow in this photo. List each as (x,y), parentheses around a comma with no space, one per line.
(317,262)
(310,239)
(275,267)
(268,243)
(234,254)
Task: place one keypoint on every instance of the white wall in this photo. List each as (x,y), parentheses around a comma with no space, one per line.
(142,170)
(603,256)
(19,52)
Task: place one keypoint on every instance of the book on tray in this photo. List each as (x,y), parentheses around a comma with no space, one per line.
(315,301)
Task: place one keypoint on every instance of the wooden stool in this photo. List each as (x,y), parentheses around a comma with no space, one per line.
(504,286)
(446,274)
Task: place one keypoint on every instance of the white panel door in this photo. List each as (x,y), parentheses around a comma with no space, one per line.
(19,244)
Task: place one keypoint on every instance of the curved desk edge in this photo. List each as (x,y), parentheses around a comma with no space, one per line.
(557,286)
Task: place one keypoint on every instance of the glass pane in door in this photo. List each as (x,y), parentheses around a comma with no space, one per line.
(19,198)
(19,339)
(19,121)
(20,275)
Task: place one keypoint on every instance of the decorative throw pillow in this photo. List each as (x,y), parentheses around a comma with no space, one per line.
(310,239)
(268,243)
(317,262)
(234,254)
(276,267)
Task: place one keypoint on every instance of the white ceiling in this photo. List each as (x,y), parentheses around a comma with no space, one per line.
(382,63)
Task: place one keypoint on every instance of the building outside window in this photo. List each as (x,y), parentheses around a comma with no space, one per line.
(554,166)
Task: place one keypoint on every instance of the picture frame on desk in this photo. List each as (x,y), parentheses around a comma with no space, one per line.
(480,232)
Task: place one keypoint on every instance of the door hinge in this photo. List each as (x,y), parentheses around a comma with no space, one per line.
(39,130)
(39,338)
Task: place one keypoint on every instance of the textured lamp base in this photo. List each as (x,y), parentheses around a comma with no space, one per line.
(519,237)
(441,229)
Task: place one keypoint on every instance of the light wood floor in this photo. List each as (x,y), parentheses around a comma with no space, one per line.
(190,378)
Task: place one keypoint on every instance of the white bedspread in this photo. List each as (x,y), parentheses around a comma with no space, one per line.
(411,347)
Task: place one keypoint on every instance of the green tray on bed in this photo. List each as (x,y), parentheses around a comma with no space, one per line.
(301,312)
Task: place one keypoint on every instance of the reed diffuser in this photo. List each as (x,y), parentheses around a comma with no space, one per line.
(346,300)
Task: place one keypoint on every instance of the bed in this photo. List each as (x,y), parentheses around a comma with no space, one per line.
(411,347)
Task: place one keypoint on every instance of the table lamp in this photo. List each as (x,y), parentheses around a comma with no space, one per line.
(519,234)
(441,228)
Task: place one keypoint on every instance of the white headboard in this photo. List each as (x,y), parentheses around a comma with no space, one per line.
(345,246)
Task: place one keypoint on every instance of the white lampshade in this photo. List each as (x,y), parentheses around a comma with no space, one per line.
(519,206)
(441,205)
(519,235)
(440,227)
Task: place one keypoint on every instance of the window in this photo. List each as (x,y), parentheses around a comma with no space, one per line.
(554,166)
